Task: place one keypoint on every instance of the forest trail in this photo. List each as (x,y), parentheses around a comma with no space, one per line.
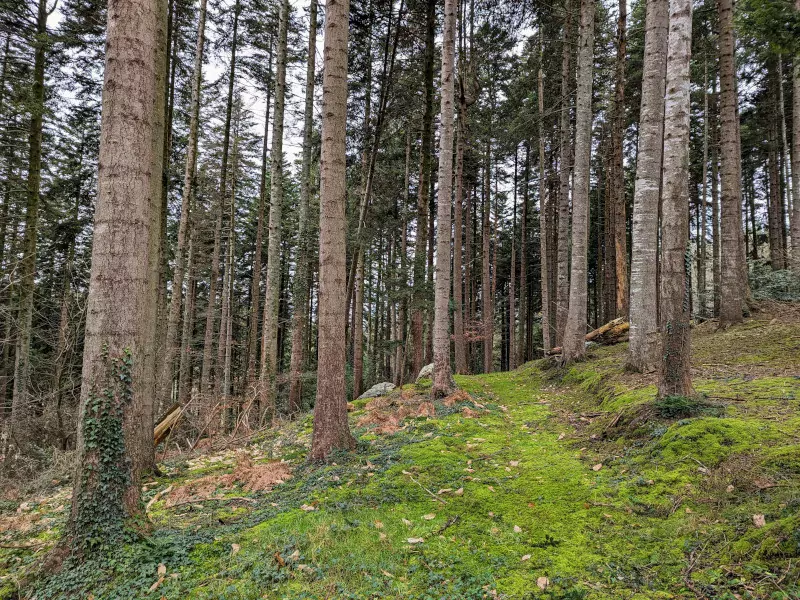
(540,483)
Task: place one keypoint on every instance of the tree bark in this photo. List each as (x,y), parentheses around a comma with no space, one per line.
(544,249)
(564,167)
(575,329)
(643,349)
(675,373)
(115,431)
(616,182)
(442,377)
(732,288)
(420,246)
(487,301)
(269,340)
(300,289)
(22,403)
(331,430)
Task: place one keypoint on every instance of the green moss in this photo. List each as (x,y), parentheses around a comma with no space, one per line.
(710,440)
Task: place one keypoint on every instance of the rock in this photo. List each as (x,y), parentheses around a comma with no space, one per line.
(425,373)
(379,389)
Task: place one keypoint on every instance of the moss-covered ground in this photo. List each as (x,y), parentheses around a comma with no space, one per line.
(546,483)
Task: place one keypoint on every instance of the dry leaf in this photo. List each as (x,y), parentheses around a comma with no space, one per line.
(542,582)
(429,517)
(491,489)
(526,557)
(387,574)
(561,436)
(730,489)
(235,549)
(382,536)
(459,492)
(597,467)
(279,559)
(517,529)
(415,540)
(445,491)
(295,555)
(759,520)
(308,507)
(378,525)
(162,569)
(513,463)
(407,522)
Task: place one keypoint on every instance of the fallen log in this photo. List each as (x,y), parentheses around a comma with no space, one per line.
(605,334)
(166,423)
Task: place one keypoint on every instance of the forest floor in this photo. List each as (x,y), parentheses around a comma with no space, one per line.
(539,483)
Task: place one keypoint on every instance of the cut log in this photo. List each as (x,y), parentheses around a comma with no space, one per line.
(166,423)
(605,334)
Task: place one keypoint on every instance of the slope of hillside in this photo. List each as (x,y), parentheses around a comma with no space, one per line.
(540,483)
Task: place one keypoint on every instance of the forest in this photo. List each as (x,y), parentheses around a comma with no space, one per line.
(400,299)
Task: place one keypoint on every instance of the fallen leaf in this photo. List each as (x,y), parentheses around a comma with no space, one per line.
(445,491)
(308,507)
(526,557)
(513,463)
(759,520)
(378,525)
(429,517)
(561,436)
(279,559)
(730,489)
(597,467)
(235,549)
(689,511)
(517,529)
(162,569)
(542,582)
(491,489)
(387,574)
(382,536)
(459,492)
(295,555)
(415,540)
(407,523)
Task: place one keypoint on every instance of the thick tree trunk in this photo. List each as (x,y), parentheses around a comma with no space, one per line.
(269,340)
(358,328)
(442,377)
(675,373)
(401,352)
(716,242)
(300,290)
(702,259)
(331,429)
(458,246)
(115,430)
(575,329)
(22,403)
(173,319)
(564,167)
(643,350)
(732,288)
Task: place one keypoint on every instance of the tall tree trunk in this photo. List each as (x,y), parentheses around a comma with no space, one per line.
(795,226)
(402,338)
(786,178)
(358,328)
(616,183)
(564,167)
(255,284)
(269,340)
(173,319)
(22,403)
(442,377)
(211,311)
(732,288)
(300,290)
(715,208)
(643,350)
(702,262)
(675,377)
(574,347)
(331,430)
(423,209)
(115,429)
(544,249)
(458,247)
(487,299)
(187,328)
(774,229)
